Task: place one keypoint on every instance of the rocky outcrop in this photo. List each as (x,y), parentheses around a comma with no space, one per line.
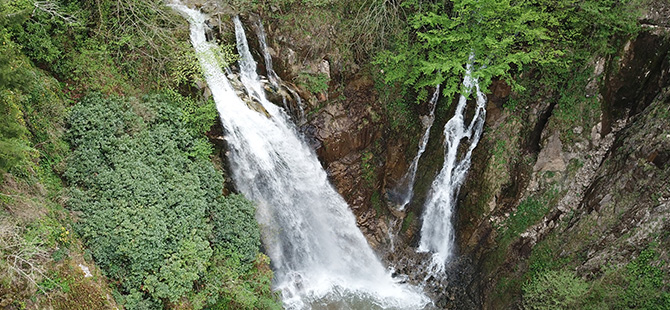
(604,183)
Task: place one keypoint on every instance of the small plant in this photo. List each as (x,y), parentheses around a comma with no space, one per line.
(64,237)
(368,167)
(315,83)
(528,212)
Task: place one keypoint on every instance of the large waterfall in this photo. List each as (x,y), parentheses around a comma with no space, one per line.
(405,189)
(320,258)
(437,232)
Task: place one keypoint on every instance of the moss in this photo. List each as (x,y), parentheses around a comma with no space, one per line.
(408,221)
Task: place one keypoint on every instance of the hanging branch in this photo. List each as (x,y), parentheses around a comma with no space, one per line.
(52,8)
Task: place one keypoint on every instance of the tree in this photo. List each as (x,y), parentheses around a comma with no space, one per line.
(504,37)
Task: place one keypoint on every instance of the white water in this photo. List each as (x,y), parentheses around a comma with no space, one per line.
(437,232)
(319,256)
(260,33)
(405,191)
(275,80)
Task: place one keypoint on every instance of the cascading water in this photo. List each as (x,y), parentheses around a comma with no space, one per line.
(272,75)
(405,190)
(437,232)
(260,33)
(319,256)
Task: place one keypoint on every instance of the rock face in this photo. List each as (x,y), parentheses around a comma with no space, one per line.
(604,183)
(633,183)
(551,156)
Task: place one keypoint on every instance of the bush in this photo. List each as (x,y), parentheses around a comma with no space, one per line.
(143,200)
(315,83)
(235,228)
(554,290)
(151,209)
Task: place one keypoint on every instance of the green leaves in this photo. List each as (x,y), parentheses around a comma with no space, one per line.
(504,36)
(492,31)
(235,228)
(150,200)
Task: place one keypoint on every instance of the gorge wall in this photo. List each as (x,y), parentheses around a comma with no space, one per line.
(583,187)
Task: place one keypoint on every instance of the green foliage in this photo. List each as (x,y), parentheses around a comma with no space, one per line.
(13,75)
(407,221)
(32,115)
(198,116)
(235,228)
(503,38)
(527,213)
(102,45)
(150,204)
(543,258)
(368,167)
(231,284)
(636,285)
(315,83)
(143,201)
(376,202)
(554,290)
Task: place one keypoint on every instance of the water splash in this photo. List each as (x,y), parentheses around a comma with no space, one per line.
(319,256)
(405,190)
(437,232)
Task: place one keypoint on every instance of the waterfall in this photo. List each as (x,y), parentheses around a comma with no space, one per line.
(275,80)
(437,232)
(405,191)
(319,255)
(262,42)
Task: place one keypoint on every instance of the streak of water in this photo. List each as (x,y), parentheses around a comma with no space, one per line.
(405,190)
(437,232)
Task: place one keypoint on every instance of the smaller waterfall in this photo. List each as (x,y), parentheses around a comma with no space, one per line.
(274,79)
(247,64)
(405,190)
(437,232)
(260,33)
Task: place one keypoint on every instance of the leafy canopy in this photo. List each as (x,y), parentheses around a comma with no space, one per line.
(502,36)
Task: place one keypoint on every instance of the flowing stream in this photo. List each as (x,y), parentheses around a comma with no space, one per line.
(437,232)
(405,191)
(320,258)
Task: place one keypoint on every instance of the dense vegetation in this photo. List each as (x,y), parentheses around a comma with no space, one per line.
(151,205)
(502,39)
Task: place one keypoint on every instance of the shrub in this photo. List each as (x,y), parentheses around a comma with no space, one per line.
(151,209)
(315,83)
(235,228)
(554,290)
(143,200)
